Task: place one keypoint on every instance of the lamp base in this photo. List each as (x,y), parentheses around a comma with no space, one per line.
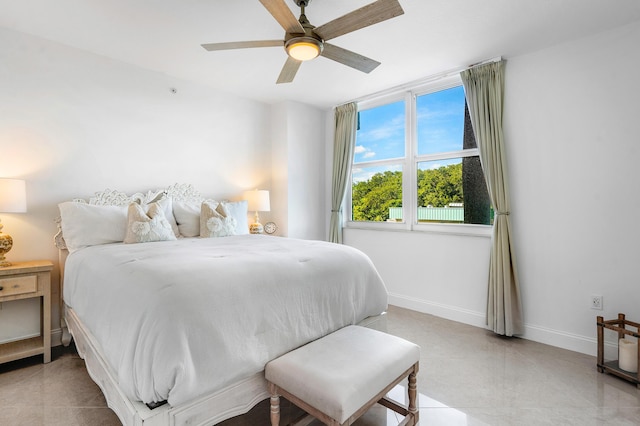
(6,243)
(256,228)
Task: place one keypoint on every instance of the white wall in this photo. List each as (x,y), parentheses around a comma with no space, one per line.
(298,163)
(73,123)
(573,150)
(571,122)
(306,172)
(279,195)
(444,275)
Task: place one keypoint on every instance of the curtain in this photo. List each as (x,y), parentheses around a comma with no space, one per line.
(484,90)
(343,147)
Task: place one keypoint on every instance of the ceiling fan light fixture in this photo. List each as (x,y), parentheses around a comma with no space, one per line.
(303,48)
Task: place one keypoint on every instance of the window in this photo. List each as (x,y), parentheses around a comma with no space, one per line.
(378,162)
(416,161)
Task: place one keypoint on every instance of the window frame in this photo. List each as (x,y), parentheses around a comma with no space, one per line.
(409,166)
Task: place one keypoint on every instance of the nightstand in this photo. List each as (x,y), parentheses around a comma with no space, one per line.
(25,280)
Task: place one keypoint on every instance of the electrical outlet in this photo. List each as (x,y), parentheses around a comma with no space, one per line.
(596,302)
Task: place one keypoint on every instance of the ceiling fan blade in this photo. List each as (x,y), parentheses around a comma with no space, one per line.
(370,14)
(289,71)
(281,12)
(242,44)
(349,58)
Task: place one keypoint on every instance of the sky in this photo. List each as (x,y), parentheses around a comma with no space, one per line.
(439,126)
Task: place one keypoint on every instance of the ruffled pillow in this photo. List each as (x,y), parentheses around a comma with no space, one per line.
(215,221)
(147,227)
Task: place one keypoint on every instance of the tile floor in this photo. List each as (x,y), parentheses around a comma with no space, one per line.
(468,376)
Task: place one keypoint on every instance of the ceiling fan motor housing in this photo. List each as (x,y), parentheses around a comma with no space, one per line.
(307,46)
(311,46)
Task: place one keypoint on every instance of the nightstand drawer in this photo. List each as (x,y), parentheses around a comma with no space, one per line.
(18,285)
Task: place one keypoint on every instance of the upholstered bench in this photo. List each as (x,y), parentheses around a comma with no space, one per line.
(339,377)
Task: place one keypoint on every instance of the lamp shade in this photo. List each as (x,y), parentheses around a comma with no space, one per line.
(13,196)
(258,200)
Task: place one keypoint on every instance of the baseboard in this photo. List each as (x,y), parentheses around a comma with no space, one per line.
(569,341)
(449,312)
(56,337)
(557,338)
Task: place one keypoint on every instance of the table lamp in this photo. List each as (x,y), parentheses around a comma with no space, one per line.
(13,199)
(258,200)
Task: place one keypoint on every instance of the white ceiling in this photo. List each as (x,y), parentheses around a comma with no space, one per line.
(432,36)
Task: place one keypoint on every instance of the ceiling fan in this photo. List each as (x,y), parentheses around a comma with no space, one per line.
(304,42)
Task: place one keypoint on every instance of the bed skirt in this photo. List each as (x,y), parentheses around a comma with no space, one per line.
(237,398)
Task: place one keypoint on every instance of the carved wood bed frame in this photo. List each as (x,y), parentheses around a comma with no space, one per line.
(235,399)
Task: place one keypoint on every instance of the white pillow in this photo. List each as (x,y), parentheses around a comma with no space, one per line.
(166,205)
(147,227)
(86,225)
(188,218)
(237,210)
(216,224)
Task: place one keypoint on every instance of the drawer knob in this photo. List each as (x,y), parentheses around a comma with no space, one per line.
(1,288)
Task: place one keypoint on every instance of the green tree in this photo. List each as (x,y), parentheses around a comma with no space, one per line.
(373,198)
(436,187)
(441,186)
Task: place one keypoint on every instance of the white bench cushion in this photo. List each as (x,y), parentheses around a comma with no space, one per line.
(339,373)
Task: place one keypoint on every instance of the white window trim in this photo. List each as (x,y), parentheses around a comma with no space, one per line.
(409,168)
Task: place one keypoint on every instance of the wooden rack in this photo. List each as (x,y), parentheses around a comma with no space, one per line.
(619,326)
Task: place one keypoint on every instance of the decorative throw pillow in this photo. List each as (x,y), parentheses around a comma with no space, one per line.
(146,227)
(214,223)
(237,210)
(166,204)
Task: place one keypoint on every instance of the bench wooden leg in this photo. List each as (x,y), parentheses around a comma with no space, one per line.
(412,412)
(413,392)
(275,405)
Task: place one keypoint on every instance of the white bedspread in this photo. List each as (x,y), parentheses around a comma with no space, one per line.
(177,319)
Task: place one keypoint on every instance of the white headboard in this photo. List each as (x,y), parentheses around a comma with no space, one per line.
(178,192)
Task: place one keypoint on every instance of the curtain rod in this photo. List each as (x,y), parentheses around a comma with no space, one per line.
(424,80)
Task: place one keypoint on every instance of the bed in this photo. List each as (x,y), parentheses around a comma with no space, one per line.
(177,331)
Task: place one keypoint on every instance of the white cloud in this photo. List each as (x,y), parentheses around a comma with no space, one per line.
(366,152)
